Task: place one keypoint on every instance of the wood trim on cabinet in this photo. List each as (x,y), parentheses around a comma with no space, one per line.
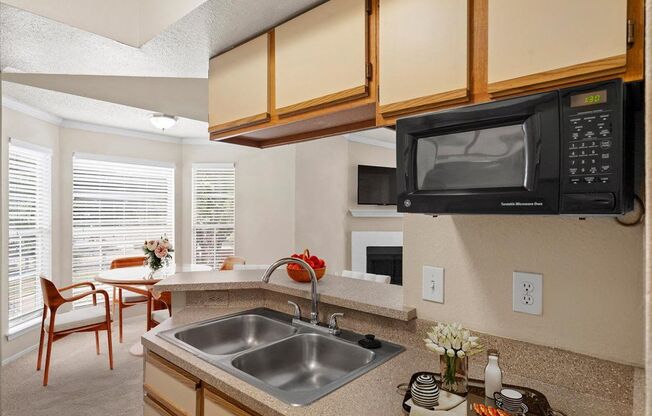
(151,392)
(635,51)
(159,407)
(424,103)
(243,122)
(172,370)
(227,402)
(588,70)
(478,50)
(326,100)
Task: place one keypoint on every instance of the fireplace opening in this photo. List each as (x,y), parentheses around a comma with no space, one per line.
(387,260)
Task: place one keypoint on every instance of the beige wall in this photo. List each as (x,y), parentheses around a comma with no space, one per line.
(592,279)
(364,154)
(264,198)
(321,200)
(327,184)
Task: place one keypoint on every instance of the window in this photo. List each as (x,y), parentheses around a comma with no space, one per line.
(30,229)
(116,206)
(213,213)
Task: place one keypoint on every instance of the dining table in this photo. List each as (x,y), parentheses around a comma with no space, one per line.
(136,277)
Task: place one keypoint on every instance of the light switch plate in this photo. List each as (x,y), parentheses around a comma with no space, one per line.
(527,293)
(433,284)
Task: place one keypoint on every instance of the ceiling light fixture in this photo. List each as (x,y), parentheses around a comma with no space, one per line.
(163,121)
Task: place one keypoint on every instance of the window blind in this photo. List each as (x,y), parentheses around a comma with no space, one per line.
(30,229)
(116,207)
(213,213)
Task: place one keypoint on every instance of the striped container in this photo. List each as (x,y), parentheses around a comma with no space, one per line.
(425,392)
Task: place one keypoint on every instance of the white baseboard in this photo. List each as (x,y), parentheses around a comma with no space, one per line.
(19,354)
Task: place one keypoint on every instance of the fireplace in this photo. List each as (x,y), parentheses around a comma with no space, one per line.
(378,252)
(386,260)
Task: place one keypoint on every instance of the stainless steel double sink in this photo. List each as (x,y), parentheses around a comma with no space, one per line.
(293,361)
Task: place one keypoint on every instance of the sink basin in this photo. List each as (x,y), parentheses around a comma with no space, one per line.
(303,362)
(234,334)
(294,361)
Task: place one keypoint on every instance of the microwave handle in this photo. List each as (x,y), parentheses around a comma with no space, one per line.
(532,131)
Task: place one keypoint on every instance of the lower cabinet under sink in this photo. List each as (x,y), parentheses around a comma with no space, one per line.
(294,362)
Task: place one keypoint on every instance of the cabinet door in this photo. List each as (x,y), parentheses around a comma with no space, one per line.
(423,54)
(215,405)
(238,86)
(152,408)
(321,57)
(170,386)
(534,43)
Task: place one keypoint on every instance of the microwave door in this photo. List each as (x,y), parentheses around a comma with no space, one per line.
(490,159)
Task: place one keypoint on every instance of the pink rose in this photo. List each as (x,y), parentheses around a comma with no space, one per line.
(152,245)
(161,252)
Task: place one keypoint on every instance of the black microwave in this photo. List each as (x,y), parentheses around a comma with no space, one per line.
(569,151)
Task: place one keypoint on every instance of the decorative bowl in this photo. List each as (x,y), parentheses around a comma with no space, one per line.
(303,276)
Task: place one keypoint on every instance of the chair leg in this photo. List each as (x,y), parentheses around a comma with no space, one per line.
(42,337)
(97,342)
(48,352)
(115,300)
(108,337)
(40,350)
(120,314)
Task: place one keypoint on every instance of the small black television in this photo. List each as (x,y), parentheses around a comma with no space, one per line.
(376,185)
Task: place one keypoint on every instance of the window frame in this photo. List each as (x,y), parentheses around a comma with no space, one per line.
(215,263)
(136,164)
(44,259)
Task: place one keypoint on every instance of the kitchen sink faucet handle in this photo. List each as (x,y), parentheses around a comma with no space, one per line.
(297,310)
(332,323)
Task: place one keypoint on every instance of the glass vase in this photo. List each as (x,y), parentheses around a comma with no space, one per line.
(454,373)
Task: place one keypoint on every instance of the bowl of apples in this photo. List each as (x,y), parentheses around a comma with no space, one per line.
(299,274)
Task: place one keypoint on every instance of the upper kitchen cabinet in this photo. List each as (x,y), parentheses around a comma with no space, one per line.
(322,57)
(534,44)
(238,87)
(422,54)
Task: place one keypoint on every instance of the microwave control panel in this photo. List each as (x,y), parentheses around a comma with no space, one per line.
(592,149)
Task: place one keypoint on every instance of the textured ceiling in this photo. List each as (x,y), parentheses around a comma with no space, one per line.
(31,43)
(72,107)
(36,45)
(132,22)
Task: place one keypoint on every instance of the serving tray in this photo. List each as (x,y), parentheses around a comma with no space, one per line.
(536,402)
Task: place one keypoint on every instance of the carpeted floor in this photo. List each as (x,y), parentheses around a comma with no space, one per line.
(81,383)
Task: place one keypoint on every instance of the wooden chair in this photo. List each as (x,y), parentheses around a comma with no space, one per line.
(230,261)
(89,319)
(158,310)
(134,295)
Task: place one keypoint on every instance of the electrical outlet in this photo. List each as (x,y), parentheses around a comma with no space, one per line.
(433,284)
(527,293)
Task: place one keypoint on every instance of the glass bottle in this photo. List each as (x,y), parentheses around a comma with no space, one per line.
(493,375)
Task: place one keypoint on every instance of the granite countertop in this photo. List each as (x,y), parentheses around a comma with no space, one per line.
(373,393)
(362,295)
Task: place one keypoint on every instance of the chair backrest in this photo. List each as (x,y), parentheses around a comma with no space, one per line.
(128,262)
(51,295)
(230,261)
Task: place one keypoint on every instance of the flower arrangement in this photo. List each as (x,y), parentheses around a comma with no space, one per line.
(158,253)
(454,345)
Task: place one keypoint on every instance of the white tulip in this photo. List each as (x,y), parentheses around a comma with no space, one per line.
(440,350)
(460,354)
(450,352)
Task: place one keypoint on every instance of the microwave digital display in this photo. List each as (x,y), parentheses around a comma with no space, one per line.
(589,98)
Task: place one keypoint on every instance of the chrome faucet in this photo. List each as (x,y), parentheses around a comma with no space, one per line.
(314,312)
